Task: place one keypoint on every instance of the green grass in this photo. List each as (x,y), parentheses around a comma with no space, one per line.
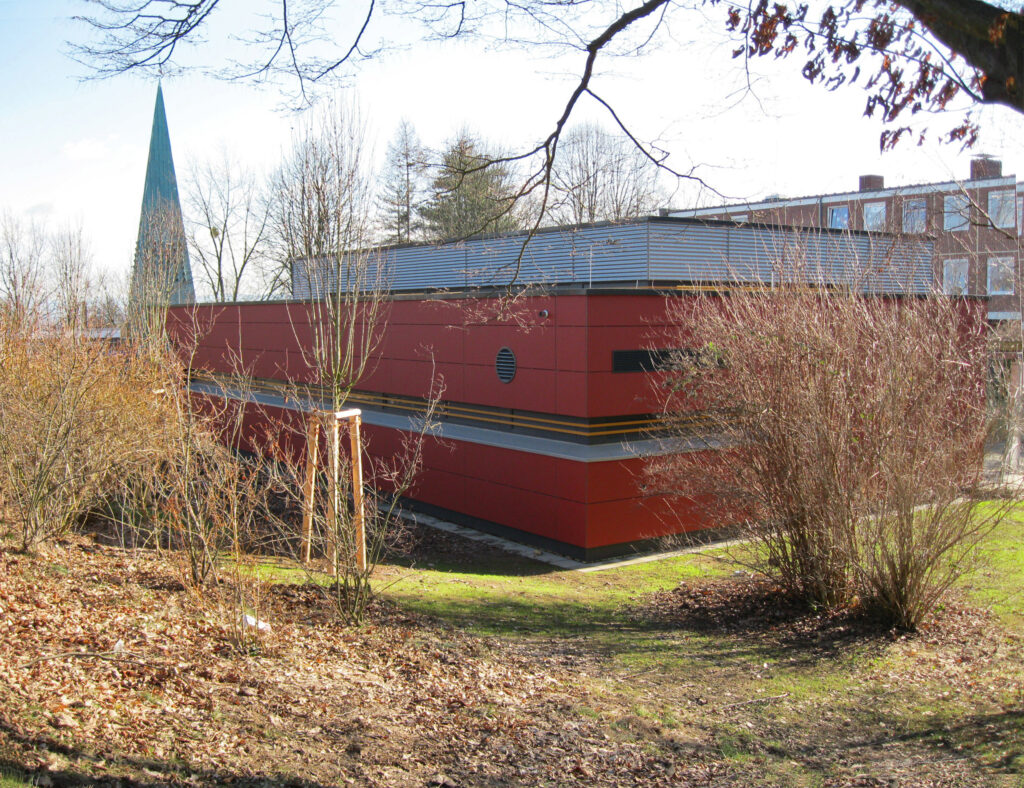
(11,778)
(652,673)
(759,702)
(513,596)
(998,582)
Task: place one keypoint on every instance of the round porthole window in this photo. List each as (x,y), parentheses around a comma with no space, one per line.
(505,364)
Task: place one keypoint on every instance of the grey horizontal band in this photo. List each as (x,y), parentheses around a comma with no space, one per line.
(502,439)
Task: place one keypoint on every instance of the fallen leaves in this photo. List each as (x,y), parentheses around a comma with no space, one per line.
(129,677)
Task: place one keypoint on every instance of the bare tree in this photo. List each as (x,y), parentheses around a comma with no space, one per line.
(321,196)
(598,176)
(322,222)
(23,281)
(71,262)
(984,38)
(160,276)
(229,228)
(402,186)
(917,54)
(109,302)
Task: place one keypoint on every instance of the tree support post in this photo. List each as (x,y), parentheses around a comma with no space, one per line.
(309,487)
(357,489)
(354,419)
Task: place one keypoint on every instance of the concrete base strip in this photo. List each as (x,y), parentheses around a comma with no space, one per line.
(553,559)
(534,553)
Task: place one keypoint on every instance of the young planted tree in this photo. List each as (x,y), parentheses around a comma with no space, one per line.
(851,431)
(471,194)
(322,220)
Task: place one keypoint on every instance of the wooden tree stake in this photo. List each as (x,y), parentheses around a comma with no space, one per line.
(354,418)
(309,488)
(357,491)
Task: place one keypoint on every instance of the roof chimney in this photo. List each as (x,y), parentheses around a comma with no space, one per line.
(870,183)
(984,166)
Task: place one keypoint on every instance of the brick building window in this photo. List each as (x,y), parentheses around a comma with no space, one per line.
(874,216)
(954,277)
(955,212)
(915,215)
(839,217)
(1001,208)
(1020,214)
(1000,276)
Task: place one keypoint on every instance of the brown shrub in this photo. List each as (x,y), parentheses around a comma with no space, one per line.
(854,430)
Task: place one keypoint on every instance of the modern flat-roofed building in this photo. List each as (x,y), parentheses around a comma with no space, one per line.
(549,410)
(975,224)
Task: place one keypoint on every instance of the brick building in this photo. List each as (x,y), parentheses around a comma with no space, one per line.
(975,224)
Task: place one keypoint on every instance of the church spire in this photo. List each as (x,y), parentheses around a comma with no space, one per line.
(161,275)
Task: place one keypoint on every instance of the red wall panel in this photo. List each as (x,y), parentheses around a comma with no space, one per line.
(570,310)
(533,347)
(564,369)
(571,348)
(531,389)
(620,393)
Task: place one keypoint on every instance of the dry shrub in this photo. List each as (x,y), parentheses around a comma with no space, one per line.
(203,496)
(78,419)
(853,430)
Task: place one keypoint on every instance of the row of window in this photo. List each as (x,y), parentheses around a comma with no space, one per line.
(1000,276)
(956,212)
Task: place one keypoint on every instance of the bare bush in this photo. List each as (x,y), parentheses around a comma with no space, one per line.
(77,420)
(852,431)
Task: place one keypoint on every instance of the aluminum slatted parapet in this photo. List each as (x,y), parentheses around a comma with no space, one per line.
(644,251)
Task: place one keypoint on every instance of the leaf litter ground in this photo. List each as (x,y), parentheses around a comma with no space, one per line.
(111,672)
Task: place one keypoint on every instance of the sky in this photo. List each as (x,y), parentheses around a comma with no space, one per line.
(73,150)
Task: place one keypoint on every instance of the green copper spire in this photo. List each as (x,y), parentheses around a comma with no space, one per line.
(162,275)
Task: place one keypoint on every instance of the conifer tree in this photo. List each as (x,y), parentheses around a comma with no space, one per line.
(403,185)
(470,194)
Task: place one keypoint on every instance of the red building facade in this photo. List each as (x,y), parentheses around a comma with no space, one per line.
(549,401)
(551,448)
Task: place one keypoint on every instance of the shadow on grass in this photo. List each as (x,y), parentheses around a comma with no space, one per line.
(567,628)
(996,739)
(502,566)
(84,767)
(699,625)
(986,742)
(428,548)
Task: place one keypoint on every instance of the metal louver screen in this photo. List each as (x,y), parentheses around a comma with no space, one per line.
(640,360)
(505,364)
